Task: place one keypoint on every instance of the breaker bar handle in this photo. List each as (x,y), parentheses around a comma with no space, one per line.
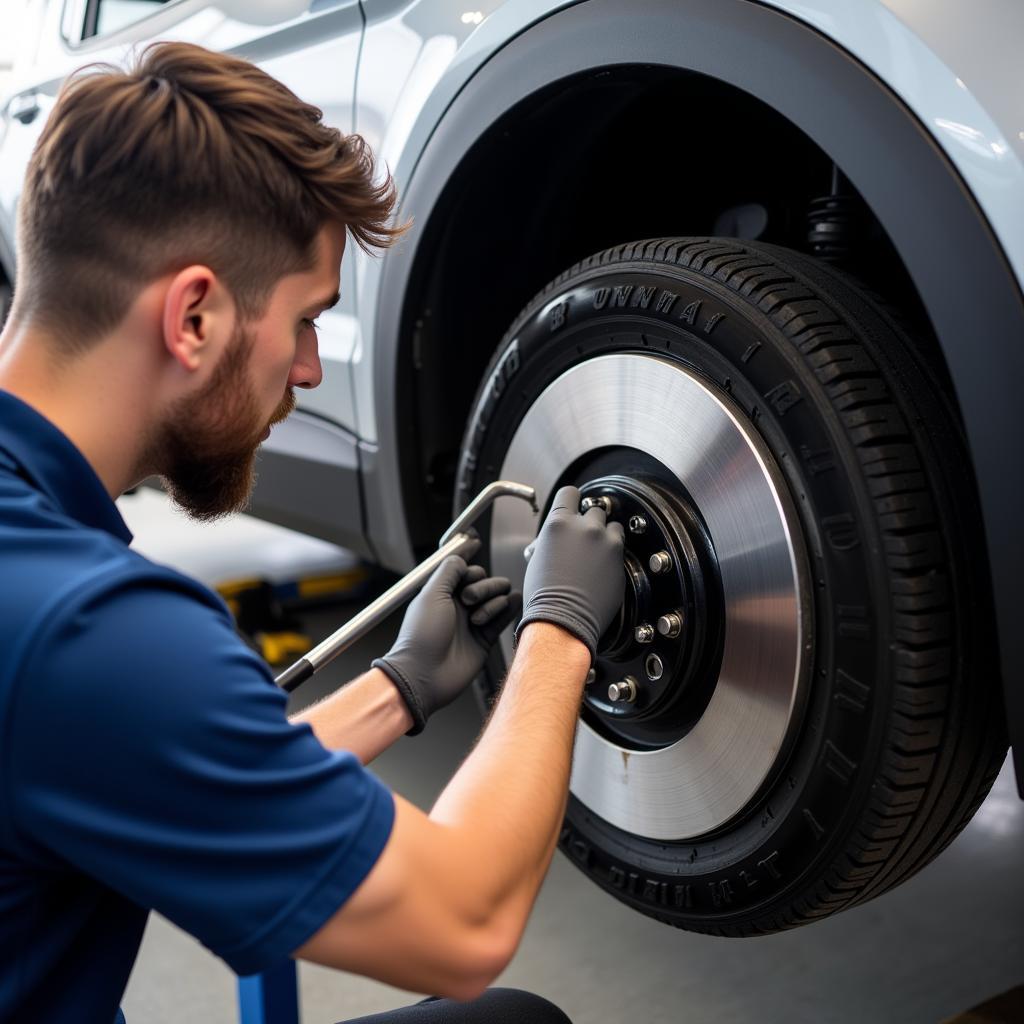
(455,540)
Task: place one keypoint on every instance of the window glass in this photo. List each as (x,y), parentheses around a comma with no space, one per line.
(112,15)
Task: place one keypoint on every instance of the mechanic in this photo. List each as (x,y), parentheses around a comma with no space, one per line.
(181,226)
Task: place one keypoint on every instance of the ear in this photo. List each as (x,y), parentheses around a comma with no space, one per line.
(198,316)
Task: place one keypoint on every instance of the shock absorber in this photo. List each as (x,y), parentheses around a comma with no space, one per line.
(835,223)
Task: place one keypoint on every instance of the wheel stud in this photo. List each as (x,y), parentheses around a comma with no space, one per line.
(644,633)
(637,524)
(623,692)
(661,561)
(671,625)
(602,500)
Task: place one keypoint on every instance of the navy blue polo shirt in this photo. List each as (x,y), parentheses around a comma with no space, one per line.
(145,758)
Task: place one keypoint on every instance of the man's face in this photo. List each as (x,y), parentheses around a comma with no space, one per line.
(208,445)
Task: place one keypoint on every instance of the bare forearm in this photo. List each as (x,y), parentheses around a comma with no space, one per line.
(365,716)
(508,798)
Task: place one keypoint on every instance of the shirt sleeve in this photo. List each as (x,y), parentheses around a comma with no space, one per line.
(151,751)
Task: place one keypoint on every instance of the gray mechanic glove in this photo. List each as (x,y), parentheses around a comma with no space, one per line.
(575,577)
(446,635)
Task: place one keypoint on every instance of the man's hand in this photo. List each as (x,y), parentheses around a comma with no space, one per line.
(575,578)
(446,635)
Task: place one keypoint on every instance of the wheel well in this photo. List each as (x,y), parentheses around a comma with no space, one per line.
(605,157)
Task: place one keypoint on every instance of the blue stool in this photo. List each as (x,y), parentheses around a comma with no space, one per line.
(271,997)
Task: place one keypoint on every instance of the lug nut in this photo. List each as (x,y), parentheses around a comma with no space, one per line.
(623,692)
(591,676)
(603,500)
(654,667)
(637,524)
(644,633)
(671,625)
(661,561)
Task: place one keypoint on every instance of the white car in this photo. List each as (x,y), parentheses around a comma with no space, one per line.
(749,273)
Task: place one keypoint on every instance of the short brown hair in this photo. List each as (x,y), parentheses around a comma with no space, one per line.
(189,156)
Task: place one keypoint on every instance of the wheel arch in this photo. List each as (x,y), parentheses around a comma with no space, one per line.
(968,291)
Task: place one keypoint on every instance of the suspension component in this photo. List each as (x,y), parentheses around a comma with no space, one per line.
(835,223)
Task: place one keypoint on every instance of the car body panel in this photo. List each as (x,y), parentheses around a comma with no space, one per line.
(310,474)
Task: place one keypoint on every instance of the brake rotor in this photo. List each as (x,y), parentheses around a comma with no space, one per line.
(699,740)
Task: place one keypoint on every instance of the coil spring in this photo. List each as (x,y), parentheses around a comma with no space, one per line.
(833,227)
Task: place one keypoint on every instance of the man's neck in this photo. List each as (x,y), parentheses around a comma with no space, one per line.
(94,398)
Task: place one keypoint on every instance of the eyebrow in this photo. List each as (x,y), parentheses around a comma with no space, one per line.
(324,304)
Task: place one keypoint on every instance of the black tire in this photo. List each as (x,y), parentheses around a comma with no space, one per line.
(902,732)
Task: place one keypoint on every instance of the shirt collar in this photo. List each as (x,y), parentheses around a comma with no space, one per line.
(49,460)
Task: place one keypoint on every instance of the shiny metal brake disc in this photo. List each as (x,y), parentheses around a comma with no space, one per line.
(649,404)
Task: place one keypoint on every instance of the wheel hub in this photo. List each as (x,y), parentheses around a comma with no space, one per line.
(696,745)
(662,640)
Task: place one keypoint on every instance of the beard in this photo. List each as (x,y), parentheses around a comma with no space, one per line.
(206,451)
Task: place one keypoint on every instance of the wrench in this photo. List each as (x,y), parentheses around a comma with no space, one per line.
(454,541)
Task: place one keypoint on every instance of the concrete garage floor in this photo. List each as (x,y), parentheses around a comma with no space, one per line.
(947,940)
